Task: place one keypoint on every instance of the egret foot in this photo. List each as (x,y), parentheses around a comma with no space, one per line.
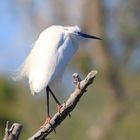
(59,106)
(47,121)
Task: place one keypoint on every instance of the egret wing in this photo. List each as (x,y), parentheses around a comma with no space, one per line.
(41,62)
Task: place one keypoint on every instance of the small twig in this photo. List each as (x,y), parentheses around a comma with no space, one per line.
(67,107)
(13,132)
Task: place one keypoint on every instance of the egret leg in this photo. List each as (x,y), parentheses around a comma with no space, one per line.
(48,105)
(54,97)
(48,109)
(48,118)
(56,100)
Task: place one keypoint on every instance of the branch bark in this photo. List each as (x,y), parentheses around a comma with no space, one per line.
(67,107)
(13,132)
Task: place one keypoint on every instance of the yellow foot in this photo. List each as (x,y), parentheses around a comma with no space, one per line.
(59,108)
(47,121)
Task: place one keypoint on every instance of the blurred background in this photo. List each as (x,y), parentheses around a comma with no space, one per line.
(111,108)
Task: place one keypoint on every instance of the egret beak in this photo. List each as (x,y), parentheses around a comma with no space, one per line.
(88,36)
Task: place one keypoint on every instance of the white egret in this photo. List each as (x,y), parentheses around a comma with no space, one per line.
(49,57)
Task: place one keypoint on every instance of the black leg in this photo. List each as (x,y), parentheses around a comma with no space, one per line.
(53,96)
(48,106)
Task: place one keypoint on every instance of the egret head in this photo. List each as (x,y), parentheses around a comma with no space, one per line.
(75,33)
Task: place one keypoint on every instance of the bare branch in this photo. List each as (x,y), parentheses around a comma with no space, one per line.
(13,132)
(67,107)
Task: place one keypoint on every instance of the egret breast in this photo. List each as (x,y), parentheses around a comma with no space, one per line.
(63,56)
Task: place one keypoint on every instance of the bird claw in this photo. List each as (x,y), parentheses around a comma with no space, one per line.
(59,108)
(47,121)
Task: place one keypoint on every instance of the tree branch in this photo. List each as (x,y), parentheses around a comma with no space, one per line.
(13,132)
(67,107)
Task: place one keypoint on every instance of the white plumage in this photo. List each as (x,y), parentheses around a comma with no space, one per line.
(50,55)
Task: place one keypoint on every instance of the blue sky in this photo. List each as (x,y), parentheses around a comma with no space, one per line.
(13,43)
(16,31)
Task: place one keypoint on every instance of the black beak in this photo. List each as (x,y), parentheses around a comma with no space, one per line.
(88,36)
